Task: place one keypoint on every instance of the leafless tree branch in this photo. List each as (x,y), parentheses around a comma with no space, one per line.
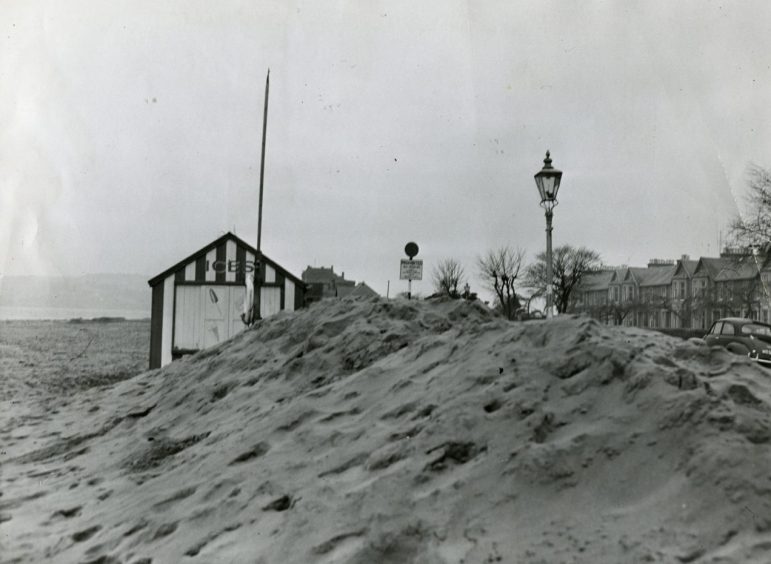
(754,226)
(447,276)
(500,270)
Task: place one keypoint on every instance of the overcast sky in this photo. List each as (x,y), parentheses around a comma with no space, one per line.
(130,130)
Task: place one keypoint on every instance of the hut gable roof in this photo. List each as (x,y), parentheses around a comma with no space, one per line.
(213,245)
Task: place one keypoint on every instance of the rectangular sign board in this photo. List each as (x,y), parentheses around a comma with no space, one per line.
(411,270)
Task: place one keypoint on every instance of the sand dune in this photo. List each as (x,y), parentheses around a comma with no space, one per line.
(398,432)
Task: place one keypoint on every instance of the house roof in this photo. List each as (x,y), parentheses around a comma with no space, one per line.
(213,245)
(594,281)
(739,270)
(635,273)
(618,275)
(729,268)
(321,275)
(345,289)
(363,291)
(656,275)
(686,267)
(710,266)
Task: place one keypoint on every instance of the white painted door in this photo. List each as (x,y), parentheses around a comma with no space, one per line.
(188,318)
(270,301)
(216,307)
(289,295)
(207,315)
(237,297)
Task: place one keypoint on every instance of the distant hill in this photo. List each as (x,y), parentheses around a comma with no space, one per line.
(91,291)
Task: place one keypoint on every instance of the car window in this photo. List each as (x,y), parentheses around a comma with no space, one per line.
(728,329)
(755,329)
(716,328)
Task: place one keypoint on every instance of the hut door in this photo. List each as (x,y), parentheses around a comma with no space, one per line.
(206,315)
(237,297)
(188,318)
(270,302)
(216,307)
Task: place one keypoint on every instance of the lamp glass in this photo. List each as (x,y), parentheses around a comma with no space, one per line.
(548,182)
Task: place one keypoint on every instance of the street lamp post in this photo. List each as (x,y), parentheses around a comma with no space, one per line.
(548,182)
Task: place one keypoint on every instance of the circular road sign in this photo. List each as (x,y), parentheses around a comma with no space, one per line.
(411,249)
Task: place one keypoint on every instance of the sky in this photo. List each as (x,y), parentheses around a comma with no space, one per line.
(130,131)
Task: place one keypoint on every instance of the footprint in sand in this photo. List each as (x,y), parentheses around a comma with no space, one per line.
(256,451)
(67,513)
(281,504)
(165,530)
(86,534)
(177,496)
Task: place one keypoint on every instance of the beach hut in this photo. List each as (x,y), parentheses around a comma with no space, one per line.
(198,302)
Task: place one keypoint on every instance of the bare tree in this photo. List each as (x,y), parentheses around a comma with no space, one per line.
(754,227)
(500,269)
(705,303)
(526,301)
(569,266)
(740,296)
(447,276)
(636,307)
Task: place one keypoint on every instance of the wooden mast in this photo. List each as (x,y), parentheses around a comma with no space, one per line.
(258,271)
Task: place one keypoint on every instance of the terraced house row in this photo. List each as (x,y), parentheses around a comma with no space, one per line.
(680,293)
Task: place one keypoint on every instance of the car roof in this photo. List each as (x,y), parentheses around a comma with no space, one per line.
(744,320)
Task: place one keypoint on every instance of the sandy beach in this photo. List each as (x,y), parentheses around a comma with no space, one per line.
(396,432)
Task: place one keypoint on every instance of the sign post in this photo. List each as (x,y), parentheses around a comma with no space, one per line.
(411,269)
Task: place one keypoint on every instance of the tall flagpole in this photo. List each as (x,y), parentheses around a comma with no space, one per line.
(258,259)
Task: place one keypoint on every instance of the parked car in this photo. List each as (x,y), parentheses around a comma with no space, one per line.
(742,336)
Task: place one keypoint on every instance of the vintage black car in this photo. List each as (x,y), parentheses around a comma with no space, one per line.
(742,336)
